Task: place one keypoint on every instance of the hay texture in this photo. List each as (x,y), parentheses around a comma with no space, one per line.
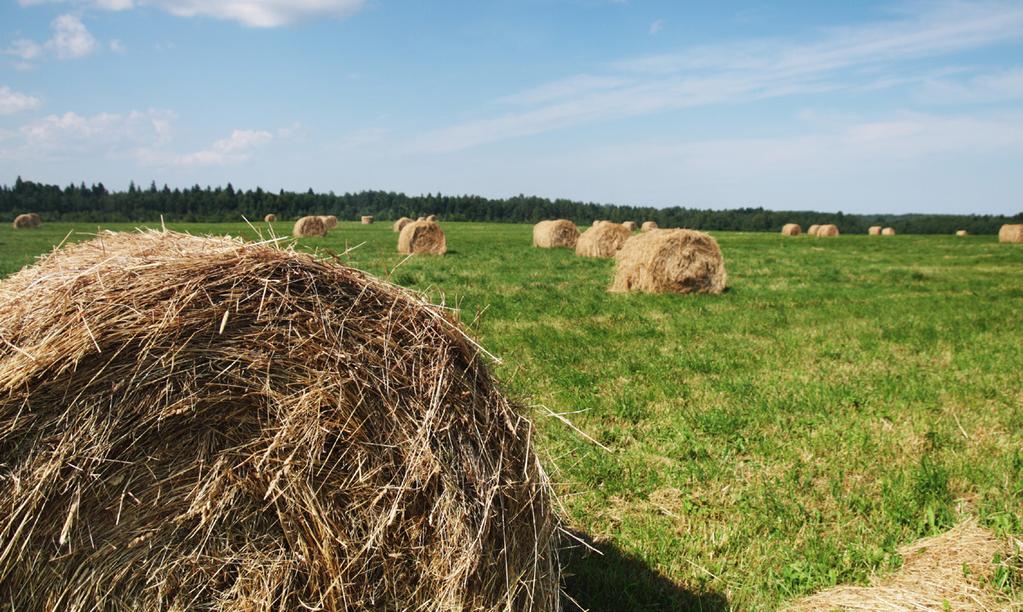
(812,230)
(629,225)
(27,221)
(962,233)
(874,230)
(367,219)
(560,233)
(432,218)
(1010,233)
(648,225)
(950,571)
(329,221)
(308,227)
(791,229)
(400,223)
(602,240)
(888,231)
(271,218)
(422,237)
(826,231)
(670,261)
(202,424)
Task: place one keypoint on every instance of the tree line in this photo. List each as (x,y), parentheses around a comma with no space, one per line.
(94,203)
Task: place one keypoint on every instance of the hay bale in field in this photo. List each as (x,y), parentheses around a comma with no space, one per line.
(874,230)
(648,225)
(962,233)
(825,231)
(670,261)
(629,225)
(308,227)
(367,219)
(400,223)
(812,230)
(424,237)
(271,218)
(1010,233)
(951,571)
(602,240)
(888,231)
(432,218)
(791,229)
(27,221)
(329,221)
(555,234)
(252,428)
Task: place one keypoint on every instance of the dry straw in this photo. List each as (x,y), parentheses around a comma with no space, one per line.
(874,230)
(827,231)
(602,240)
(648,225)
(791,229)
(271,218)
(1010,233)
(670,261)
(27,221)
(400,223)
(629,225)
(309,226)
(424,237)
(200,423)
(962,233)
(555,234)
(888,231)
(812,231)
(432,218)
(367,219)
(950,571)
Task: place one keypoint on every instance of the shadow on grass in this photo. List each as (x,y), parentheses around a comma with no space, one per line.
(619,581)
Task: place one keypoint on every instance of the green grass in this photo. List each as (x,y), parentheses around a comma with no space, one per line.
(844,397)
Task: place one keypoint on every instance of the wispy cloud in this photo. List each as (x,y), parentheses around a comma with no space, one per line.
(253,13)
(71,39)
(236,148)
(74,136)
(14,102)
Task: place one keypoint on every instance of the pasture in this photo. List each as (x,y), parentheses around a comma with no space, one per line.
(845,396)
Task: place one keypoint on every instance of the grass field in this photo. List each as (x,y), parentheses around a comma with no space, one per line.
(844,397)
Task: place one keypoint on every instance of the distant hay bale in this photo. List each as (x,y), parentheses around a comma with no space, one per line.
(888,231)
(422,237)
(250,428)
(648,225)
(400,223)
(555,234)
(874,230)
(826,231)
(271,218)
(367,219)
(602,240)
(629,225)
(954,570)
(791,229)
(670,261)
(1010,233)
(329,221)
(432,218)
(309,227)
(962,233)
(27,221)
(812,231)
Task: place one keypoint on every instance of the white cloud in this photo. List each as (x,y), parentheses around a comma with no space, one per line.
(995,86)
(13,102)
(657,26)
(24,49)
(236,148)
(106,135)
(253,13)
(71,39)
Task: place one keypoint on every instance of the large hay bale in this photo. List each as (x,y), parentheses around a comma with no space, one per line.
(629,225)
(602,240)
(424,237)
(962,233)
(367,219)
(791,229)
(874,230)
(888,231)
(251,428)
(812,231)
(309,226)
(400,223)
(1010,233)
(670,261)
(555,234)
(27,221)
(271,218)
(648,225)
(825,231)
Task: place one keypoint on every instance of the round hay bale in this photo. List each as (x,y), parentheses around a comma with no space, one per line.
(250,428)
(308,227)
(791,229)
(826,231)
(648,225)
(1010,233)
(670,261)
(629,225)
(874,230)
(432,218)
(962,233)
(424,237)
(555,234)
(329,221)
(602,240)
(888,231)
(27,221)
(367,219)
(400,223)
(812,231)
(271,218)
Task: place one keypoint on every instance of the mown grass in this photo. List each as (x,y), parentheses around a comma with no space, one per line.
(844,397)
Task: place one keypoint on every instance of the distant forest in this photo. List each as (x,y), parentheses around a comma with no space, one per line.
(205,204)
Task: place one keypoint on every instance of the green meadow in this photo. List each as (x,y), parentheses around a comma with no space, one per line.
(846,396)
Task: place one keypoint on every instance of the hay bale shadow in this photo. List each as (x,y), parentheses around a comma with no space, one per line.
(618,580)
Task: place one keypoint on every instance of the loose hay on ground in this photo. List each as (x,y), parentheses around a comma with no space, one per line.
(1010,233)
(251,428)
(555,234)
(424,237)
(602,240)
(309,227)
(791,229)
(670,261)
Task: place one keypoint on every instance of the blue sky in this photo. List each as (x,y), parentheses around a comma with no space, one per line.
(852,106)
